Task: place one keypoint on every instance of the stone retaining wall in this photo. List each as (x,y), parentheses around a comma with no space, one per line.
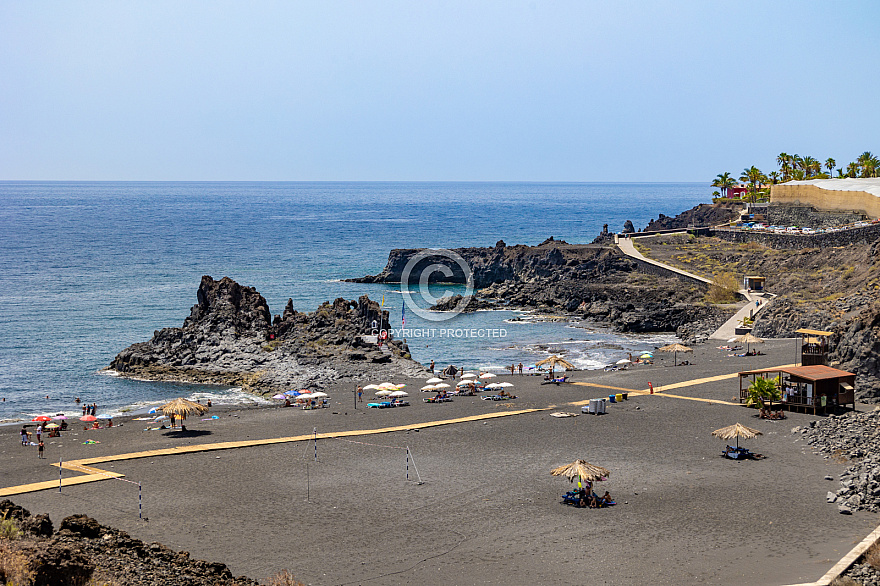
(791,215)
(861,236)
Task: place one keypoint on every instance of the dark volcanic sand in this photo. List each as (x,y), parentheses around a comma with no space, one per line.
(488,511)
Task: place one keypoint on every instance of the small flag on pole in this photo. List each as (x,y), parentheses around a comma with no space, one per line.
(403,315)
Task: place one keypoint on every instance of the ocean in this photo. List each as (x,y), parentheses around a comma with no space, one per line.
(88,268)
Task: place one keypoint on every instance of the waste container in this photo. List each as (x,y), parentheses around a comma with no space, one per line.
(600,406)
(611,398)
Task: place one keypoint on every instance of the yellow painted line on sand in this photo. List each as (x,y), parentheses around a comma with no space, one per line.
(709,379)
(53,484)
(96,474)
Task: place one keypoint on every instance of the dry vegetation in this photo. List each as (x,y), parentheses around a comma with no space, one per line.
(810,275)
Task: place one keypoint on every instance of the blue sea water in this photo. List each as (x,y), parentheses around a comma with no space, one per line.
(88,268)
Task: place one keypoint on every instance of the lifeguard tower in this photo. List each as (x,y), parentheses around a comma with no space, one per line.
(814,346)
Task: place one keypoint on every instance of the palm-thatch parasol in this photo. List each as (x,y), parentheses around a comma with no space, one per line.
(675,349)
(737,430)
(181,407)
(582,470)
(749,338)
(553,361)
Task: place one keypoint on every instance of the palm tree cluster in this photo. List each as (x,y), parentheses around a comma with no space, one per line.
(796,167)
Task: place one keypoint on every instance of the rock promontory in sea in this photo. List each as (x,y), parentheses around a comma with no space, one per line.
(231,338)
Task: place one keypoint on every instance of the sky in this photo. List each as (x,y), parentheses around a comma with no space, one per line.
(432,91)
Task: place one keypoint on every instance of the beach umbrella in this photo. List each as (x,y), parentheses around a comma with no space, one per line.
(105,416)
(371,387)
(463,383)
(582,470)
(434,380)
(427,388)
(88,418)
(737,430)
(280,396)
(647,355)
(53,426)
(749,339)
(319,395)
(493,386)
(60,417)
(383,392)
(504,385)
(42,418)
(304,396)
(553,361)
(399,394)
(441,386)
(291,393)
(181,407)
(488,375)
(623,361)
(675,349)
(468,375)
(161,418)
(385,385)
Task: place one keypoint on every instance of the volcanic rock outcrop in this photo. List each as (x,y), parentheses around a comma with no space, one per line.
(230,338)
(83,551)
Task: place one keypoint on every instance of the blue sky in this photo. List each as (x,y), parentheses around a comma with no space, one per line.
(508,90)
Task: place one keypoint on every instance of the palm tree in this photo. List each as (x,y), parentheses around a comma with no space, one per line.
(830,164)
(811,166)
(852,170)
(753,176)
(774,177)
(840,174)
(869,164)
(724,181)
(784,162)
(764,389)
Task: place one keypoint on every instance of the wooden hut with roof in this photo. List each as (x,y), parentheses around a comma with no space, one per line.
(815,346)
(815,387)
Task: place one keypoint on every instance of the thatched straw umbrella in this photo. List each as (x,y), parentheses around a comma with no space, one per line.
(181,407)
(737,430)
(675,349)
(582,470)
(553,361)
(749,339)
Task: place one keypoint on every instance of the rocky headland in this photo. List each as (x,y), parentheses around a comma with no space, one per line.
(231,338)
(83,551)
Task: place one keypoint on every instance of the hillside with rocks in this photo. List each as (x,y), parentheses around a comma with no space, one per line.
(84,552)
(230,338)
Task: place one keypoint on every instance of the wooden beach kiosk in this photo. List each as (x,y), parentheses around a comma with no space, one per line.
(817,387)
(814,346)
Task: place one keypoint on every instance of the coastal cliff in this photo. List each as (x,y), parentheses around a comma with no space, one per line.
(230,338)
(594,282)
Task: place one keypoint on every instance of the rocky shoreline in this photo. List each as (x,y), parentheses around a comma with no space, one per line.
(230,338)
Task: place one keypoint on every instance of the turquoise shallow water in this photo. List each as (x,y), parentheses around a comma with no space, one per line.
(88,268)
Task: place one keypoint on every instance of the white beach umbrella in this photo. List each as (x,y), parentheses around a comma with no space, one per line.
(383,393)
(398,394)
(464,383)
(319,395)
(494,386)
(441,386)
(487,375)
(623,361)
(305,396)
(468,375)
(434,380)
(371,387)
(427,388)
(386,386)
(505,385)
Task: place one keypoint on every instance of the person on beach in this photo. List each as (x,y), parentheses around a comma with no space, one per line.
(24,436)
(361,389)
(210,404)
(39,432)
(432,367)
(84,411)
(606,498)
(40,449)
(520,368)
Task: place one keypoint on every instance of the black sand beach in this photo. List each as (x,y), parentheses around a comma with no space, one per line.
(487,510)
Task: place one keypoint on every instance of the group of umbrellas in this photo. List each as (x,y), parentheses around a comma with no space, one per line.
(388,389)
(301,395)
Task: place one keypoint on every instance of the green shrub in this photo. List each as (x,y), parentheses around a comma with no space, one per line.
(723,289)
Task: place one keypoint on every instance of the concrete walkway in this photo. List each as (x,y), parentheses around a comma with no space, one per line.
(728,328)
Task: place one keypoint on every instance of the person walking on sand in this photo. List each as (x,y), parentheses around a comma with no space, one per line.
(520,368)
(24,436)
(360,394)
(40,450)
